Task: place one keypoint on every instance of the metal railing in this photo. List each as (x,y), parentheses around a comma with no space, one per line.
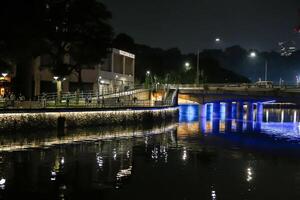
(99,103)
(91,94)
(228,86)
(109,98)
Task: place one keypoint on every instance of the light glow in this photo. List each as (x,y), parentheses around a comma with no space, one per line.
(253,54)
(4,74)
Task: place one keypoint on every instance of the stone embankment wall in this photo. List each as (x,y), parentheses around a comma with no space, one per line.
(43,120)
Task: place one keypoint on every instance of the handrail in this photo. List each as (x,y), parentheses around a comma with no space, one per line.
(94,103)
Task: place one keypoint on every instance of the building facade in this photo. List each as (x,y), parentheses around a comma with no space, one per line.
(116,72)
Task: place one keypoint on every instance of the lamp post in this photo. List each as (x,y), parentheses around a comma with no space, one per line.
(116,81)
(58,82)
(148,80)
(99,84)
(3,89)
(198,71)
(254,55)
(187,66)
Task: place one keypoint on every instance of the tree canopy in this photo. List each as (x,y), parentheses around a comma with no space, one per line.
(168,65)
(80,30)
(75,33)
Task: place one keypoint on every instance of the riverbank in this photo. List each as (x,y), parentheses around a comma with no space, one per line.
(45,119)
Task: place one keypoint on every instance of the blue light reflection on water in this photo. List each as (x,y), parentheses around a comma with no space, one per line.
(188,113)
(278,124)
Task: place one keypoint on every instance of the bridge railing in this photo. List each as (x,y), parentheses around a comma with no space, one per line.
(232,86)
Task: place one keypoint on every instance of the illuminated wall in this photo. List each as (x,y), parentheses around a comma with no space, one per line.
(48,120)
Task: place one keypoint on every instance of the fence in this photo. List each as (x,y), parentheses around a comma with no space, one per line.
(98,103)
(88,99)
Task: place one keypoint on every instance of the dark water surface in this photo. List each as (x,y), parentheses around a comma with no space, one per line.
(195,159)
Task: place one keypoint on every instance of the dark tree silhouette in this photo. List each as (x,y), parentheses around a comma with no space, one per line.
(74,29)
(79,30)
(21,41)
(124,42)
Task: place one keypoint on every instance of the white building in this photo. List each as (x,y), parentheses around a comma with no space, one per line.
(116,72)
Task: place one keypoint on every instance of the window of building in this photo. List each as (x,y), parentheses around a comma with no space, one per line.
(118,63)
(129,66)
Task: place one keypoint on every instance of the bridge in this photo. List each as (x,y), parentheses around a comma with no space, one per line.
(237,92)
(165,95)
(239,95)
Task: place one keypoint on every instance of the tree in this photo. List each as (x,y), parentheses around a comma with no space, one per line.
(124,42)
(21,38)
(79,35)
(74,29)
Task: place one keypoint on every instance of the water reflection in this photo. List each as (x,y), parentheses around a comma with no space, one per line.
(17,141)
(274,122)
(199,158)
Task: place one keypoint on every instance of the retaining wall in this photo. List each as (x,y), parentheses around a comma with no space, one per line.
(41,120)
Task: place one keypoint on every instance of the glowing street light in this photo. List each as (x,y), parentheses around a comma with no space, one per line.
(218,40)
(253,54)
(4,74)
(58,82)
(187,66)
(148,73)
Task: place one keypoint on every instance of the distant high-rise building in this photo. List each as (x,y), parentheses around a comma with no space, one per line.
(287,48)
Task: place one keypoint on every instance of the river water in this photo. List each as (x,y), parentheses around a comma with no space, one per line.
(197,158)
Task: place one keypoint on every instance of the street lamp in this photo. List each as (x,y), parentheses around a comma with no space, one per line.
(254,55)
(99,83)
(148,80)
(116,83)
(217,40)
(58,82)
(187,66)
(4,74)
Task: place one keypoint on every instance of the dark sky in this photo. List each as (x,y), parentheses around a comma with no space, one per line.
(192,24)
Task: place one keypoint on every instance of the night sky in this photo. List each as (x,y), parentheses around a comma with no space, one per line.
(193,24)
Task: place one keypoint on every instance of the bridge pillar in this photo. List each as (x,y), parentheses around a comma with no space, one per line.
(228,110)
(295,117)
(239,109)
(216,125)
(249,126)
(202,110)
(259,112)
(249,111)
(228,125)
(239,126)
(202,125)
(216,110)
